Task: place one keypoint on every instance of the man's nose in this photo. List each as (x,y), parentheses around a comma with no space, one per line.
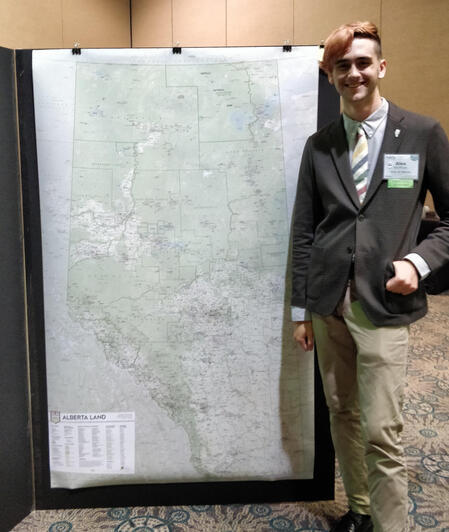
(353,71)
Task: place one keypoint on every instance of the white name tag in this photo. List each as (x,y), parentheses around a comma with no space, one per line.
(401,166)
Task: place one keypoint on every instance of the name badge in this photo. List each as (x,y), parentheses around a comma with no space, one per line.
(401,170)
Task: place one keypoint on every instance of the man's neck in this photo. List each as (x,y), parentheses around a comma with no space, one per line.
(359,111)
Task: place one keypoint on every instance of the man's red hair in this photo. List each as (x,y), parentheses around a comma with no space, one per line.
(340,40)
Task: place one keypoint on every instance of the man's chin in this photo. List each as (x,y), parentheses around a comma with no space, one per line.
(355,96)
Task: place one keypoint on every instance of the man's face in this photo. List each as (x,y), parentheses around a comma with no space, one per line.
(356,75)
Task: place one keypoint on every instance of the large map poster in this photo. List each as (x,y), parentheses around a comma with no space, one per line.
(166,189)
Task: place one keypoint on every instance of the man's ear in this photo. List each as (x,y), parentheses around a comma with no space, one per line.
(382,69)
(330,78)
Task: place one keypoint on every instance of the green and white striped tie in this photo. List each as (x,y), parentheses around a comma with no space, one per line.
(359,163)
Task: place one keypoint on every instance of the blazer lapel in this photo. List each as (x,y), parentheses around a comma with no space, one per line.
(339,152)
(395,132)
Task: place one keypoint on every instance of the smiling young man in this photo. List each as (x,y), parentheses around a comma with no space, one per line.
(357,270)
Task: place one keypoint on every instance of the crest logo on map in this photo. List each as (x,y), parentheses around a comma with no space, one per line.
(55,416)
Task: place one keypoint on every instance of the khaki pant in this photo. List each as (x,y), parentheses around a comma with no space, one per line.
(363,369)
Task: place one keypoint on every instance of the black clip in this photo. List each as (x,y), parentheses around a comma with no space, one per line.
(76,50)
(177,49)
(287,48)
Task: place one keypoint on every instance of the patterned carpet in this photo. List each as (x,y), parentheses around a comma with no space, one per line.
(426,439)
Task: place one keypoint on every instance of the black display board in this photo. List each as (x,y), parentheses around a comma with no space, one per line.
(16,492)
(320,487)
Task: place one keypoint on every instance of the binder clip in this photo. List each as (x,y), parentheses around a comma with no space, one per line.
(177,49)
(321,51)
(76,50)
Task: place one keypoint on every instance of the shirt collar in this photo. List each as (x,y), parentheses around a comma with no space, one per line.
(370,124)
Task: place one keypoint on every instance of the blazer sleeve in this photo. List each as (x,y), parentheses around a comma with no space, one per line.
(435,248)
(305,216)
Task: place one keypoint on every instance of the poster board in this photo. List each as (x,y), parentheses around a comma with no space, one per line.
(163,493)
(16,489)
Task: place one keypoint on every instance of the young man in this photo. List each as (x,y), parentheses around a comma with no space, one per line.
(357,270)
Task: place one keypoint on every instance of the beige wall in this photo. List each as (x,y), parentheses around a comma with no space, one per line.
(416,46)
(414,32)
(61,23)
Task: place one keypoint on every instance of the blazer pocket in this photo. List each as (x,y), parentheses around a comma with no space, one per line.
(398,303)
(315,273)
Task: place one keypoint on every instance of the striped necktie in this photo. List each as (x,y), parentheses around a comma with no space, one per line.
(359,163)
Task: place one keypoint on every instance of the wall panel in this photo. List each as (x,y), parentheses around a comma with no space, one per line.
(151,23)
(199,22)
(416,46)
(255,23)
(314,20)
(31,23)
(96,23)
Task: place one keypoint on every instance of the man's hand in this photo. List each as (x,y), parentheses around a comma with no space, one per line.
(405,280)
(303,334)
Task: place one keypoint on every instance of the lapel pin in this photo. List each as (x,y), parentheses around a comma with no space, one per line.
(397,132)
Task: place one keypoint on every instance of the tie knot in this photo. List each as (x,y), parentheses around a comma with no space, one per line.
(360,131)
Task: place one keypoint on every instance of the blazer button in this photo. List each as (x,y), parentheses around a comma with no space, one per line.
(361,217)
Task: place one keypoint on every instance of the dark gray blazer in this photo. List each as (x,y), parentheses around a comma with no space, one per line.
(330,226)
